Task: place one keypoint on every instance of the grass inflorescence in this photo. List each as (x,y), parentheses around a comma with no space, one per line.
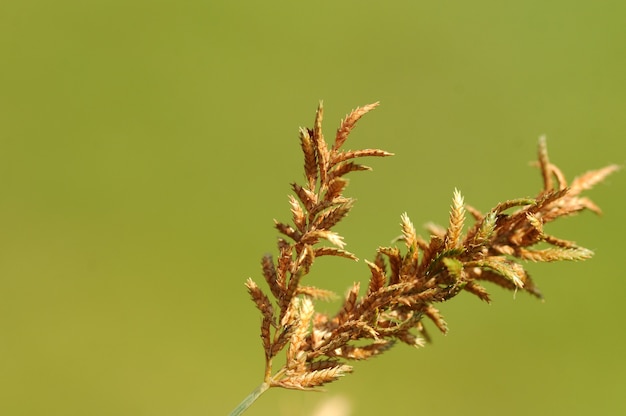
(405,282)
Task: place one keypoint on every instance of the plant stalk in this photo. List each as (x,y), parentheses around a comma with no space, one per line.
(247,402)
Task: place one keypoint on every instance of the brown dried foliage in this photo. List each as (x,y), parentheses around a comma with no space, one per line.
(404,284)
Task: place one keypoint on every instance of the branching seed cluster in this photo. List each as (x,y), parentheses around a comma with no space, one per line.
(404,284)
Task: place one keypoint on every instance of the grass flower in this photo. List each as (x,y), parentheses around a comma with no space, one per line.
(406,282)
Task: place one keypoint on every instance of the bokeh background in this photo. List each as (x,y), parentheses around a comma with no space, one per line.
(146,146)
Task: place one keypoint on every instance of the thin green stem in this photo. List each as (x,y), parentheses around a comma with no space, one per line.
(247,402)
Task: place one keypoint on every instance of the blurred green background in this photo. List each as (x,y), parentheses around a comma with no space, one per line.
(146,146)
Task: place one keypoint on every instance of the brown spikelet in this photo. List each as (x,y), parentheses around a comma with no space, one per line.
(299,219)
(559,176)
(310,158)
(544,164)
(263,304)
(435,316)
(320,145)
(589,179)
(395,262)
(304,260)
(349,122)
(261,301)
(477,290)
(312,237)
(336,186)
(284,337)
(368,351)
(316,293)
(348,305)
(337,339)
(520,202)
(411,339)
(322,365)
(344,168)
(379,261)
(271,276)
(324,204)
(546,199)
(332,216)
(558,242)
(283,264)
(306,196)
(352,154)
(332,251)
(266,325)
(287,230)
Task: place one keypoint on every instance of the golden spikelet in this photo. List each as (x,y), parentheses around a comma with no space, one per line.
(555,254)
(315,378)
(378,279)
(301,320)
(457,218)
(408,231)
